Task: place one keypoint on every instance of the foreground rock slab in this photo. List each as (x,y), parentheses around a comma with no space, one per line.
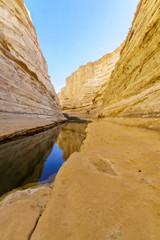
(20,212)
(109,190)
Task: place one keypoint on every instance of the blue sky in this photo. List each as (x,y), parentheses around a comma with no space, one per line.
(74,32)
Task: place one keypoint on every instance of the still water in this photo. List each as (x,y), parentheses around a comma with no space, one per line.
(37,158)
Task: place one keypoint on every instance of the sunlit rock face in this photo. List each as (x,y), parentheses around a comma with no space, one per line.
(134,88)
(129,86)
(83,93)
(71,138)
(25,86)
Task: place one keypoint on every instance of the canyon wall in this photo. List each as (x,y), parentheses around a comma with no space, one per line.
(129,86)
(26,93)
(134,88)
(83,93)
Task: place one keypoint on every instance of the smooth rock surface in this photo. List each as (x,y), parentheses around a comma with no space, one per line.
(26,92)
(109,190)
(20,212)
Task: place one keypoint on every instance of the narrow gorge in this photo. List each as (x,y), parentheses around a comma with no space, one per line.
(83,94)
(125,82)
(106,185)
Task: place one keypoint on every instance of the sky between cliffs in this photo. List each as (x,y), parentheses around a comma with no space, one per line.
(74,32)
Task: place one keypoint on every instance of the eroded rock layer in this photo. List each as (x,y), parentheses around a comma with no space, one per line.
(25,88)
(135,82)
(83,92)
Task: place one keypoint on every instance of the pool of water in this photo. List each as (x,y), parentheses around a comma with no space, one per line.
(37,158)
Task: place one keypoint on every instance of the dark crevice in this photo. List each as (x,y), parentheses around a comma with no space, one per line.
(31,233)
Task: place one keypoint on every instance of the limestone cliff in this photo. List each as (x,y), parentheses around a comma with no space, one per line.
(26,92)
(134,88)
(83,92)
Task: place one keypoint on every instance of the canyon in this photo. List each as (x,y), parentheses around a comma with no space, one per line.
(83,94)
(27,98)
(125,82)
(110,188)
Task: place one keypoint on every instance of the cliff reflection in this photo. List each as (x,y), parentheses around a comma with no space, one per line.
(71,138)
(22,161)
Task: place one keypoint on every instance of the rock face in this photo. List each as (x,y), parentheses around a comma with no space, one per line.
(26,92)
(84,89)
(133,87)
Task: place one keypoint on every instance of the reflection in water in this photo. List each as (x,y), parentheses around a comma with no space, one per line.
(71,138)
(22,160)
(38,158)
(52,165)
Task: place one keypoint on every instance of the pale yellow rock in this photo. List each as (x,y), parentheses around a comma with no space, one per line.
(82,95)
(143,122)
(123,85)
(25,86)
(135,82)
(110,190)
(20,212)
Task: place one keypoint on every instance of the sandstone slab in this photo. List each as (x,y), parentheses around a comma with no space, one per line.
(20,212)
(110,190)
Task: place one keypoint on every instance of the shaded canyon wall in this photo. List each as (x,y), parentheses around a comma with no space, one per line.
(26,93)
